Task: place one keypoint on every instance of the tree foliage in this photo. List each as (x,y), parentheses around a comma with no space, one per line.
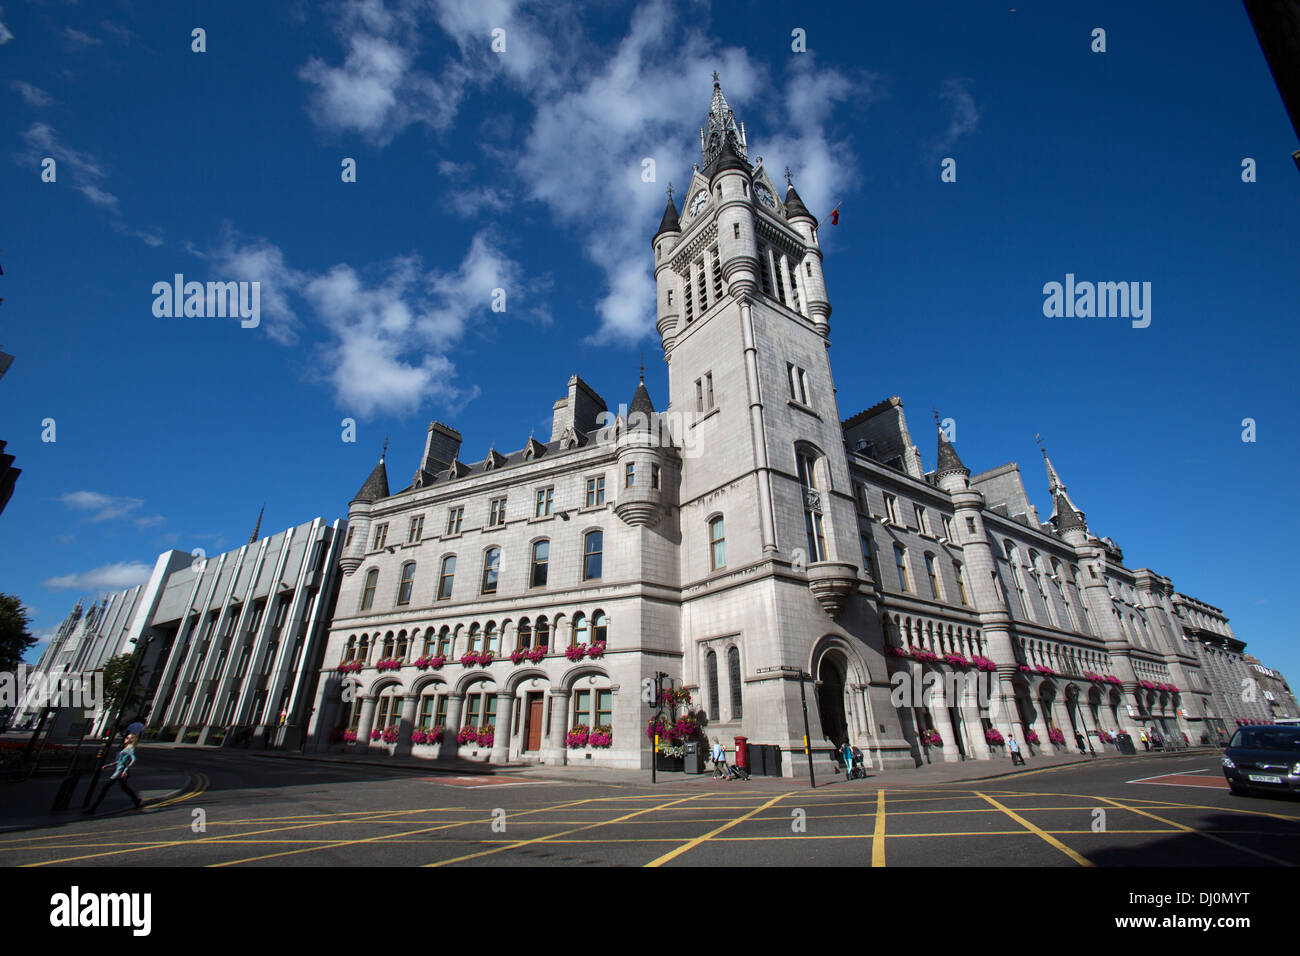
(15,638)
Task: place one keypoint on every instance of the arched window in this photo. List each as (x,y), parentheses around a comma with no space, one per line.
(388,645)
(406,584)
(711,661)
(473,638)
(491,566)
(812,505)
(490,638)
(593,545)
(401,645)
(364,654)
(733,677)
(717,543)
(543,635)
(541,557)
(581,630)
(523,635)
(428,647)
(900,562)
(444,641)
(350,651)
(933,575)
(368,592)
(961,582)
(446,577)
(599,628)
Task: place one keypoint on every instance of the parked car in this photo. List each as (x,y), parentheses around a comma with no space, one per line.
(1263,759)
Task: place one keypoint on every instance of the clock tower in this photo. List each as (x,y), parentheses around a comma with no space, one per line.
(770,560)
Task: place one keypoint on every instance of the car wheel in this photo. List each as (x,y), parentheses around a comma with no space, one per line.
(1238,790)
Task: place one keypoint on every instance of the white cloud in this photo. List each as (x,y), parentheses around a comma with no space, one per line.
(33,95)
(102,507)
(109,577)
(469,201)
(965,114)
(83,170)
(78,39)
(236,259)
(5,35)
(633,107)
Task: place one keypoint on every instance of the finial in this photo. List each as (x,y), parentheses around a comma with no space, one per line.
(788,177)
(384,454)
(642,368)
(936,416)
(670,192)
(1039,439)
(715,77)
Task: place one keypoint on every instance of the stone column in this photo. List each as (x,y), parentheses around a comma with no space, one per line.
(368,705)
(969,703)
(938,709)
(1007,712)
(407,725)
(455,702)
(1129,695)
(501,737)
(554,751)
(1040,726)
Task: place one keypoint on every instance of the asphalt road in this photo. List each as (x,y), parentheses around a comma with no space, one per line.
(246,810)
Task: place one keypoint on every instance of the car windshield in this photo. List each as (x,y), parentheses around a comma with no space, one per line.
(1267,738)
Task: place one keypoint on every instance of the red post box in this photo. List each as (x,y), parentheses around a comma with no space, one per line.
(742,752)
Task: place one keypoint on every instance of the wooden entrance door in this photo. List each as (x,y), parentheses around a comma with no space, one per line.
(533,724)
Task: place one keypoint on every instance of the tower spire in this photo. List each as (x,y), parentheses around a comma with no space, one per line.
(721,129)
(257,527)
(1065,516)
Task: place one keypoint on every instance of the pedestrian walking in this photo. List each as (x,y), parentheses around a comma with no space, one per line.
(1146,744)
(125,760)
(846,753)
(719,757)
(1013,746)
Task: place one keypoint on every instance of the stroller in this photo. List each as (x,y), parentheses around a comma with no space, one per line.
(858,770)
(736,773)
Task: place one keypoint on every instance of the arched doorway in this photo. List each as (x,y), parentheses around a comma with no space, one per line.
(830,699)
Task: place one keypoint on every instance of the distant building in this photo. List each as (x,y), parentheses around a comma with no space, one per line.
(1277,26)
(8,473)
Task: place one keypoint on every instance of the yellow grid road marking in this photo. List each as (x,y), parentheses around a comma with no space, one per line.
(592,826)
(878,837)
(690,845)
(1209,836)
(1076,857)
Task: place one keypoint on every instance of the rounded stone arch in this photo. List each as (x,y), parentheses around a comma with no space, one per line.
(469,679)
(837,669)
(821,469)
(519,675)
(579,671)
(424,681)
(382,683)
(558,621)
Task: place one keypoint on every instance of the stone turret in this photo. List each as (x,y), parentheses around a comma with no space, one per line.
(374,489)
(640,459)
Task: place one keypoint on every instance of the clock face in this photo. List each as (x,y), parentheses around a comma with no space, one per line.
(765,195)
(699,201)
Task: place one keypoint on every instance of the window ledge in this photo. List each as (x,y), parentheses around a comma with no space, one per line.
(803,408)
(539,519)
(707,415)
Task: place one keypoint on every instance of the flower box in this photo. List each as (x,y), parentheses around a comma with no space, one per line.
(994,738)
(486,736)
(427,736)
(601,736)
(536,654)
(390,734)
(932,738)
(468,660)
(517,655)
(576,652)
(1056,736)
(924,656)
(376,734)
(467,735)
(597,649)
(430,660)
(388,664)
(350,667)
(1031,736)
(349,736)
(669,764)
(1146,685)
(577,737)
(1045,670)
(984,664)
(956,660)
(1024,668)
(1111,679)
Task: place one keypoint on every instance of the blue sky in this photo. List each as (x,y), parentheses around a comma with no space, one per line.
(522,170)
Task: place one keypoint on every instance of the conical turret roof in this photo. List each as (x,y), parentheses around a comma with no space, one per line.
(948,460)
(376,486)
(641,404)
(670,222)
(794,207)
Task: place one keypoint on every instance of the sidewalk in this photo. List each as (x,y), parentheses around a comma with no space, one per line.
(26,805)
(956,772)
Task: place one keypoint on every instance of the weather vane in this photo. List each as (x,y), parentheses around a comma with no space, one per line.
(787,177)
(715,76)
(670,192)
(384,454)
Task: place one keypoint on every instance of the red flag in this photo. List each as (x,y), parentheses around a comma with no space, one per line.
(835,216)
